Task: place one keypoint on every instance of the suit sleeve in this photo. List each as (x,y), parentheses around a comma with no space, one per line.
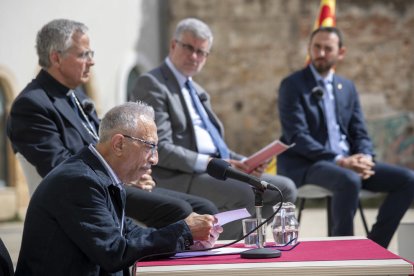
(93,228)
(295,128)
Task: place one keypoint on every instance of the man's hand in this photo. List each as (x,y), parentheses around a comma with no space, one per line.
(359,163)
(145,183)
(201,226)
(259,170)
(214,235)
(244,168)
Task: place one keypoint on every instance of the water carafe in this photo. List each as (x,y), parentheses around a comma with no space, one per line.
(285,226)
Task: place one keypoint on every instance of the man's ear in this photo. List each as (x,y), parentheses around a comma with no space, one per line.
(341,53)
(55,58)
(173,44)
(117,143)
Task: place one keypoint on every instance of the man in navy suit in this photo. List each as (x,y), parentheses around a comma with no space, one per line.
(75,223)
(52,119)
(320,112)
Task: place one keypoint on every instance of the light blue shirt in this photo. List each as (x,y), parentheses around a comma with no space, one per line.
(328,82)
(205,144)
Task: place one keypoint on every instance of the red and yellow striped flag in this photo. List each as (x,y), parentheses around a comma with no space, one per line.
(326,17)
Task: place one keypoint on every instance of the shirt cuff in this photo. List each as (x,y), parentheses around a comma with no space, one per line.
(201,163)
(339,156)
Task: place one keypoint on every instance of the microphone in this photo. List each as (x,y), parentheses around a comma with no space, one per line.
(88,106)
(317,92)
(203,97)
(220,169)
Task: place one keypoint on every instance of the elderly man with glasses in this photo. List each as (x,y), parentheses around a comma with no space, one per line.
(190,134)
(75,223)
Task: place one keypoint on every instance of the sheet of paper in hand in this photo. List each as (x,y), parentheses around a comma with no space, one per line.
(273,149)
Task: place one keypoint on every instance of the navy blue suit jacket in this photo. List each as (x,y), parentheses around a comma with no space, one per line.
(303,123)
(55,132)
(74,220)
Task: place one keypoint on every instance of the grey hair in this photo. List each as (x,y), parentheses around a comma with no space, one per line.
(198,28)
(124,119)
(56,36)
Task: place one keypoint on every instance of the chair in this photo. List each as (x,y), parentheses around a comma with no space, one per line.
(311,191)
(6,264)
(365,194)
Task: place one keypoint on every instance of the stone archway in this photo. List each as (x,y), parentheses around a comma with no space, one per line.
(15,194)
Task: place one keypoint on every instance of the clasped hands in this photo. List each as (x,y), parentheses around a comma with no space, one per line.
(360,163)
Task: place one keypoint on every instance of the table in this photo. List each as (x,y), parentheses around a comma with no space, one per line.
(322,256)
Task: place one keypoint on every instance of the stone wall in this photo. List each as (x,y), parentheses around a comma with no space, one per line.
(258,42)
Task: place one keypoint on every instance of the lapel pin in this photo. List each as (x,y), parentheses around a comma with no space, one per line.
(339,86)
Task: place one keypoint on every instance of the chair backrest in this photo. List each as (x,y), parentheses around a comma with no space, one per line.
(32,176)
(6,264)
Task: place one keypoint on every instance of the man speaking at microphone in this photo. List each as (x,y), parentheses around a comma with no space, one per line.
(190,134)
(76,224)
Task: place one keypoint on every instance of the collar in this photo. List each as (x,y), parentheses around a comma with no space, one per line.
(318,77)
(51,84)
(181,79)
(115,179)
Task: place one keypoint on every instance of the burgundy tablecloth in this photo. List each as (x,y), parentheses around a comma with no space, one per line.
(363,249)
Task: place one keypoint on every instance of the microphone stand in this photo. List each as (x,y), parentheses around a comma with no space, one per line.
(258,203)
(260,252)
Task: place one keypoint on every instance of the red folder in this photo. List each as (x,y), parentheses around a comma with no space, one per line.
(273,149)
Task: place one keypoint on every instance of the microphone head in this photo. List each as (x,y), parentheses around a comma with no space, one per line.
(217,168)
(317,92)
(203,97)
(88,106)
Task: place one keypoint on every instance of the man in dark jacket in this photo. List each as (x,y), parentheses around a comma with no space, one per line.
(75,223)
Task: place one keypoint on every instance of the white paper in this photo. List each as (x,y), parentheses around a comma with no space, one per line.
(220,251)
(229,216)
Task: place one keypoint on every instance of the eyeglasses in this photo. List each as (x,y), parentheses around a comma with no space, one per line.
(153,148)
(85,55)
(89,54)
(190,49)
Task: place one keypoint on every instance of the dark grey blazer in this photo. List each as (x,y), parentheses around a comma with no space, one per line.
(177,141)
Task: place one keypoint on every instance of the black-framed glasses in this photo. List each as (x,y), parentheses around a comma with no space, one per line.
(150,145)
(190,49)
